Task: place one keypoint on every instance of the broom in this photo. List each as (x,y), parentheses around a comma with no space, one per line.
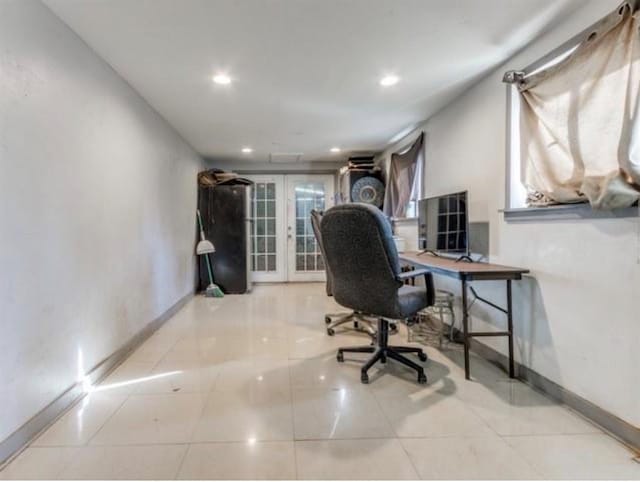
(203,248)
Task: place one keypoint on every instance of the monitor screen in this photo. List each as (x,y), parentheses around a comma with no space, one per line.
(443,224)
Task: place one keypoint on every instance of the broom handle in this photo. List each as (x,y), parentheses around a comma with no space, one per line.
(206,255)
(200,224)
(209,269)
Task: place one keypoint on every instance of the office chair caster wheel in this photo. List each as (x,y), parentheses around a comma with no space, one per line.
(330,331)
(422,378)
(383,359)
(340,357)
(422,356)
(327,319)
(364,378)
(393,327)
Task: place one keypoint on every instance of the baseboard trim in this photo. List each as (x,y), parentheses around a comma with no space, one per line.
(617,427)
(18,440)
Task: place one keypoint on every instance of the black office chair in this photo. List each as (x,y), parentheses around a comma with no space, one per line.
(361,255)
(334,320)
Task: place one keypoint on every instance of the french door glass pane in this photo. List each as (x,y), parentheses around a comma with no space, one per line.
(308,196)
(263,227)
(271,244)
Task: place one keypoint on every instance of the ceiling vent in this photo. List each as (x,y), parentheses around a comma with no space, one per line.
(285,157)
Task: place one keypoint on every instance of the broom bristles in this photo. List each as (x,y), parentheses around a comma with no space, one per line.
(214,291)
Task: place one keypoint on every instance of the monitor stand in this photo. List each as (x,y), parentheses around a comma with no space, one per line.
(428,251)
(466,258)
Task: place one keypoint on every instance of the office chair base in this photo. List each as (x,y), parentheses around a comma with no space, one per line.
(382,351)
(360,322)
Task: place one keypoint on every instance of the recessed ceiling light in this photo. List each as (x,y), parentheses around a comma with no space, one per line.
(222,79)
(335,149)
(247,150)
(389,80)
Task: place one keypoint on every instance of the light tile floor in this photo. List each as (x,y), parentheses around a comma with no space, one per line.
(248,387)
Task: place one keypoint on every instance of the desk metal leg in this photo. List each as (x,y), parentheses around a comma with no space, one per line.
(510,329)
(465,330)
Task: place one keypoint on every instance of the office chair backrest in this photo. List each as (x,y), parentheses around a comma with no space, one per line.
(362,257)
(316,218)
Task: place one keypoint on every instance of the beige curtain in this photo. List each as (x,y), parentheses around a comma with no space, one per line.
(402,173)
(579,137)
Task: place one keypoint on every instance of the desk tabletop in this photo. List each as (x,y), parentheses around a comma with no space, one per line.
(462,269)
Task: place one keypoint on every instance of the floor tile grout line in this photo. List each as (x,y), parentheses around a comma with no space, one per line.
(413,465)
(397,437)
(293,421)
(534,467)
(206,395)
(58,475)
(181,464)
(134,392)
(193,430)
(505,437)
(476,414)
(320,439)
(521,384)
(102,425)
(564,434)
(83,397)
(306,439)
(384,414)
(599,431)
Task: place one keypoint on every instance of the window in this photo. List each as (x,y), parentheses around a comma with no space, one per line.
(416,191)
(570,135)
(404,181)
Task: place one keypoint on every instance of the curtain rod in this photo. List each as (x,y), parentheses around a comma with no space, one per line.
(409,144)
(598,28)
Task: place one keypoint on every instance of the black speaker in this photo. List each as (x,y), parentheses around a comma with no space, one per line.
(479,238)
(366,186)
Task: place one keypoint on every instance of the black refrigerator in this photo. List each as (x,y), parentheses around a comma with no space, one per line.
(226,211)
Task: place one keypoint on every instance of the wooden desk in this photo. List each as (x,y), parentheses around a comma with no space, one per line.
(465,272)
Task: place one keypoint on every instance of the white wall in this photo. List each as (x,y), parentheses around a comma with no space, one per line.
(97,209)
(578,315)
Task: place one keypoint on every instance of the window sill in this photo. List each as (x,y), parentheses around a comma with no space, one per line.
(404,220)
(566,212)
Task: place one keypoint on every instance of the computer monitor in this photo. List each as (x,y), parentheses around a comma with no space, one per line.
(443,224)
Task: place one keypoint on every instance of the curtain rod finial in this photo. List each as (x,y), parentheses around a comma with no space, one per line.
(513,76)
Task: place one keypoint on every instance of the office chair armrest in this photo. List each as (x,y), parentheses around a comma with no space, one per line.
(412,274)
(428,281)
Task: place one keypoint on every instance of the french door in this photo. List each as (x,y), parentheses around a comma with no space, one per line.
(268,211)
(283,246)
(304,193)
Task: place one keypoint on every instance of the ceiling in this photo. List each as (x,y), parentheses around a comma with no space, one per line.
(305,72)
